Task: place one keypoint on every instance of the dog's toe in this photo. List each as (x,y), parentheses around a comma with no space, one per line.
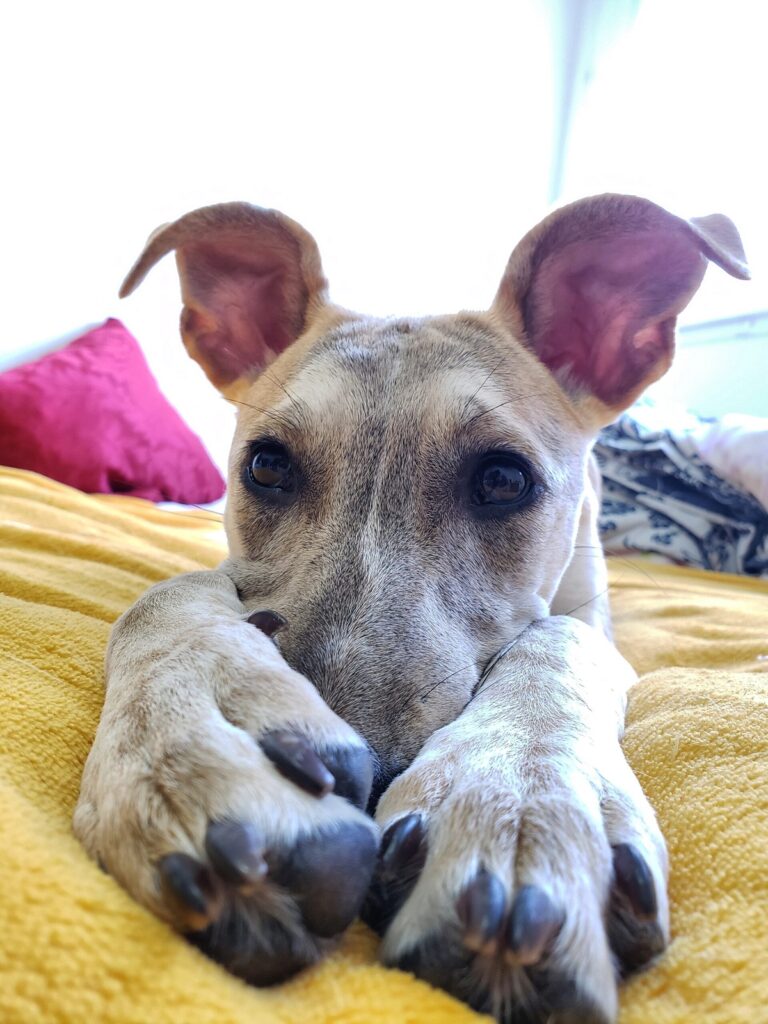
(534,923)
(481,908)
(345,770)
(634,931)
(536,995)
(402,856)
(257,949)
(236,852)
(191,888)
(266,913)
(352,770)
(296,760)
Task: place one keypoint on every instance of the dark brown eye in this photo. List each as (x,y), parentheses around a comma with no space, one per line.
(271,469)
(502,481)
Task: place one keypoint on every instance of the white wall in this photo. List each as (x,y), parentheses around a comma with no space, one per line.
(675,111)
(719,368)
(412,139)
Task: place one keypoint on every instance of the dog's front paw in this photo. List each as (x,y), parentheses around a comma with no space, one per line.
(225,796)
(525,899)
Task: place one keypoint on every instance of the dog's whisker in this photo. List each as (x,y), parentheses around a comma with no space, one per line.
(247,405)
(423,694)
(486,412)
(462,668)
(218,516)
(596,597)
(201,508)
(271,376)
(634,565)
(483,687)
(477,392)
(126,488)
(600,553)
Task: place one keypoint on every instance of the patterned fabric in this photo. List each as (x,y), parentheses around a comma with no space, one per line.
(660,497)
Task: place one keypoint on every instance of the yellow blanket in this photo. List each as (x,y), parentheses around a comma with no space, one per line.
(75,948)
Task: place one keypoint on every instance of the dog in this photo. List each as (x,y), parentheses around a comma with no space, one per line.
(412,622)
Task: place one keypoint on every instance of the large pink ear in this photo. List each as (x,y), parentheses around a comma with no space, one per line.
(251,279)
(595,290)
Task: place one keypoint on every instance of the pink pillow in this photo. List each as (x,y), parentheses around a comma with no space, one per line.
(92,416)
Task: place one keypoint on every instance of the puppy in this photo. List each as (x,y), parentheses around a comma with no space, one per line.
(412,620)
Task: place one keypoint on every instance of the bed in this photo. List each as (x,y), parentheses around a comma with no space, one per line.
(75,948)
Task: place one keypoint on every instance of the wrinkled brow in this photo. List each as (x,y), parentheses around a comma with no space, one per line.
(287,419)
(499,425)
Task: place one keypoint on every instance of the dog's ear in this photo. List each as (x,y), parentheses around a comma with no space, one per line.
(251,280)
(595,289)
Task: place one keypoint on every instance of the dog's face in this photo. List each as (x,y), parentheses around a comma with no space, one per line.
(406,493)
(407,500)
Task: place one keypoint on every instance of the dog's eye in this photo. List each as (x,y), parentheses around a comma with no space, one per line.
(271,469)
(502,481)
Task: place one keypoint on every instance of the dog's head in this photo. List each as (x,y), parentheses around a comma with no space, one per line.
(406,492)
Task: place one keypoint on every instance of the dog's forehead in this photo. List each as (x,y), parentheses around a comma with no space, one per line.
(390,363)
(438,373)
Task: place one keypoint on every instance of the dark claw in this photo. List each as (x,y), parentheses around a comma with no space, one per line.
(534,921)
(268,622)
(403,849)
(634,933)
(328,874)
(236,852)
(635,943)
(401,858)
(481,909)
(352,768)
(634,880)
(294,758)
(190,884)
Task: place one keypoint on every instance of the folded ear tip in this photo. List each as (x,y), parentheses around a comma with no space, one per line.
(731,264)
(131,282)
(160,243)
(740,270)
(721,242)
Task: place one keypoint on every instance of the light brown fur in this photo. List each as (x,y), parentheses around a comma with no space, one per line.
(399,596)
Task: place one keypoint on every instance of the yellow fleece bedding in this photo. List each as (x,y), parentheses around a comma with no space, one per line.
(75,948)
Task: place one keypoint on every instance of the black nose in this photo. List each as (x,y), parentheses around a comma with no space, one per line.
(385,771)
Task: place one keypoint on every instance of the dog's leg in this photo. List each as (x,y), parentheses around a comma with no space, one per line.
(521,862)
(583,590)
(221,790)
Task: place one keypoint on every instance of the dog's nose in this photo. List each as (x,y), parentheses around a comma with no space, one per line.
(385,771)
